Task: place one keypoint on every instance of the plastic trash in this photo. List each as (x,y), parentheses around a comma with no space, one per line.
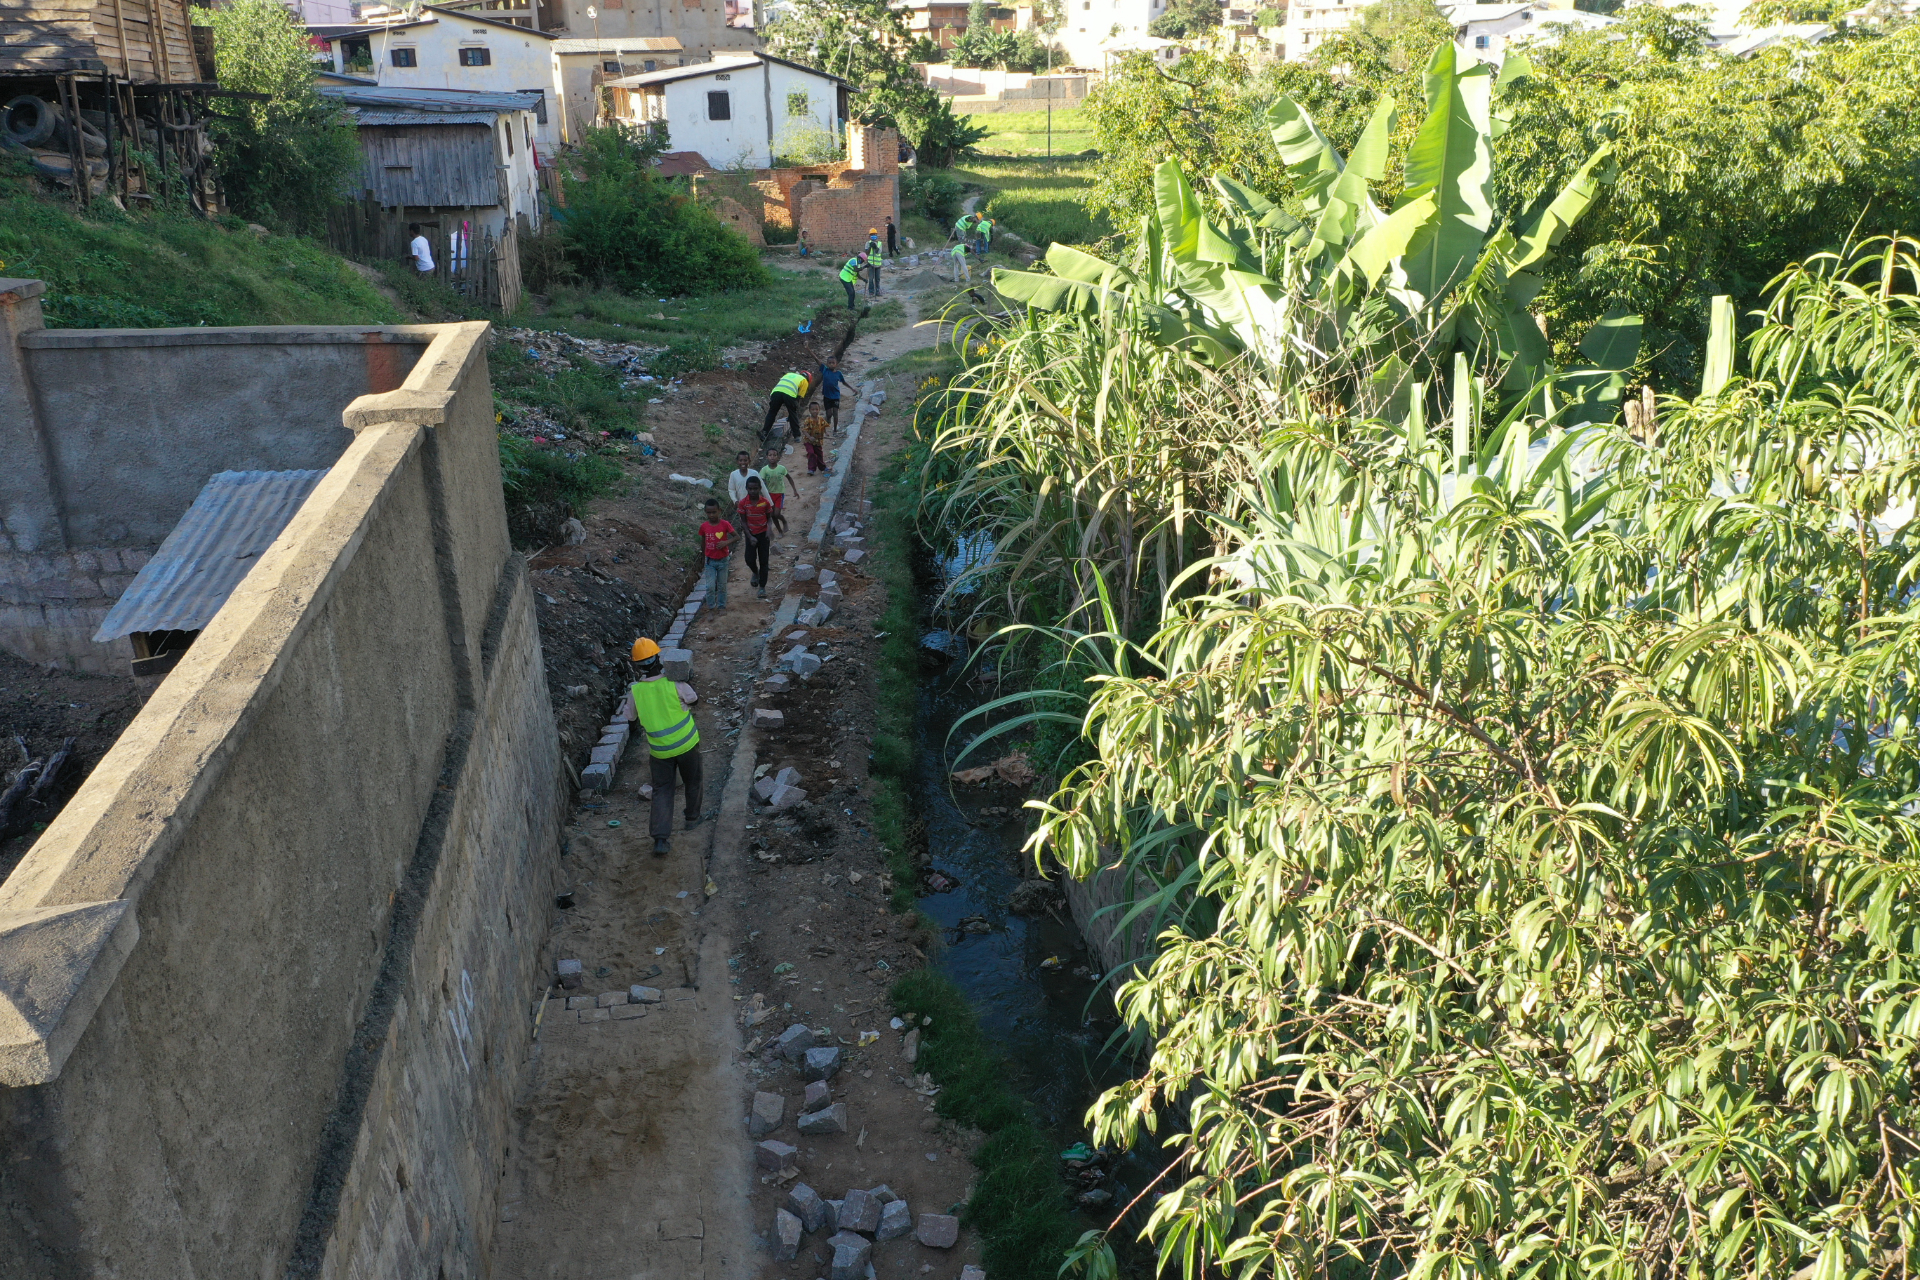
(1078,1151)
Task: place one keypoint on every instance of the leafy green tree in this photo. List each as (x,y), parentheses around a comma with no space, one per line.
(627,226)
(285,160)
(1397,34)
(1186,20)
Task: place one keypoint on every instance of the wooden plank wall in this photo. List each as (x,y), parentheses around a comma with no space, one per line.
(433,164)
(51,35)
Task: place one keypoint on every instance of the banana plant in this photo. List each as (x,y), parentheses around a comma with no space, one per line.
(1339,281)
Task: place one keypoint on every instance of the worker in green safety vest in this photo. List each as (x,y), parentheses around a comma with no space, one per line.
(850,274)
(673,740)
(790,393)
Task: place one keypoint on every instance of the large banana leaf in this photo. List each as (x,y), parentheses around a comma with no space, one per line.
(1452,159)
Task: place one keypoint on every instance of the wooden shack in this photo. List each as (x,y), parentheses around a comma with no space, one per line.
(113,90)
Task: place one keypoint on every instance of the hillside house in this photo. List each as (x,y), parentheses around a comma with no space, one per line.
(836,204)
(701,26)
(446,48)
(580,67)
(738,112)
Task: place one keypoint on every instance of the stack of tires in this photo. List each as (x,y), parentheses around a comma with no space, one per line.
(42,133)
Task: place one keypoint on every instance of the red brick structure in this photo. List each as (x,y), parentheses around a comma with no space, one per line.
(835,204)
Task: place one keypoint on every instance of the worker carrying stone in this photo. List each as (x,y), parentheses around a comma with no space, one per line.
(850,272)
(673,740)
(790,393)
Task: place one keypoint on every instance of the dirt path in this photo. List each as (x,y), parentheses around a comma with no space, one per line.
(634,1160)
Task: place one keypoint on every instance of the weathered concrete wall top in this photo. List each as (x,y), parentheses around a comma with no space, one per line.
(241,925)
(135,420)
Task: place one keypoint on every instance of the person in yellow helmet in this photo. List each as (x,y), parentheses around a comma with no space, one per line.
(790,393)
(850,275)
(873,262)
(673,740)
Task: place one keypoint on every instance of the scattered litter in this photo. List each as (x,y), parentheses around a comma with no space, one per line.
(896,1024)
(1052,962)
(868,1037)
(659,951)
(1078,1151)
(711,888)
(613,822)
(705,483)
(786,967)
(681,894)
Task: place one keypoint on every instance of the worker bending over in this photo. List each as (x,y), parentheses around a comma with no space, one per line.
(673,740)
(790,393)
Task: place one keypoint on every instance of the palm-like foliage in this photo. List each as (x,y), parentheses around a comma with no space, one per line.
(1559,809)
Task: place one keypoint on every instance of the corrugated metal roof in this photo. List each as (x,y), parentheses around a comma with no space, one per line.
(362,116)
(452,100)
(728,63)
(235,518)
(634,44)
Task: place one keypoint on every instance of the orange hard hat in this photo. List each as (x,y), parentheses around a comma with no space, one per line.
(644,648)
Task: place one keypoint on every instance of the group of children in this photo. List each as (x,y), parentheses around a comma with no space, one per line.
(758,497)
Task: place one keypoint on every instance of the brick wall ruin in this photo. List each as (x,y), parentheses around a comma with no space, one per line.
(836,204)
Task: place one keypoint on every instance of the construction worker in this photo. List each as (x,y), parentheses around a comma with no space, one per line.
(962,230)
(873,262)
(849,273)
(792,391)
(673,741)
(984,229)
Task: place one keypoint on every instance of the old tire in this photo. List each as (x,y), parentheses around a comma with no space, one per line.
(28,120)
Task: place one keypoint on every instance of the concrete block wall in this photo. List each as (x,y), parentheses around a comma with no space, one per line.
(266,982)
(110,434)
(838,217)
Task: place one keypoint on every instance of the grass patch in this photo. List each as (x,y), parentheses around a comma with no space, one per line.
(1024,133)
(1019,1204)
(722,319)
(110,269)
(1041,200)
(586,399)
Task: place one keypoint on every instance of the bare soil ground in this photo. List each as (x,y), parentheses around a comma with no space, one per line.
(634,1158)
(43,708)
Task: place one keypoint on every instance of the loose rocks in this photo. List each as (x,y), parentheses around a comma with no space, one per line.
(972,1273)
(775,1157)
(786,1235)
(831,1119)
(895,1221)
(937,1230)
(819,1094)
(820,1064)
(851,1254)
(805,1203)
(638,994)
(767,718)
(769,1109)
(860,1211)
(795,1041)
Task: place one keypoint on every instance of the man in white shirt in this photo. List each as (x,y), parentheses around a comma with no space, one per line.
(422,251)
(738,477)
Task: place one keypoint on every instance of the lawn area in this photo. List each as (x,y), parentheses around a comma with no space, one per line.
(1039,200)
(1024,133)
(722,318)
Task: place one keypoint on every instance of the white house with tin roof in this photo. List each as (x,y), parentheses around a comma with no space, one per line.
(735,111)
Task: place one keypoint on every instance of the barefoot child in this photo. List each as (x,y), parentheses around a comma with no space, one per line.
(815,436)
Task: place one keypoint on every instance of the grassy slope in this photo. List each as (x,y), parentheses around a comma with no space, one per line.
(1024,133)
(1040,200)
(116,270)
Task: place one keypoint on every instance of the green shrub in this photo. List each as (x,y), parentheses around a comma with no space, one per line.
(282,161)
(585,398)
(692,354)
(626,226)
(543,486)
(932,193)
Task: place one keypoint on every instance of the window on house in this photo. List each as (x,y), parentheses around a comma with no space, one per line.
(719,106)
(796,104)
(648,64)
(1479,42)
(475,58)
(611,68)
(506,127)
(405,58)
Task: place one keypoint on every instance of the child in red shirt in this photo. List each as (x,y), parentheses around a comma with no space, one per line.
(716,540)
(756,514)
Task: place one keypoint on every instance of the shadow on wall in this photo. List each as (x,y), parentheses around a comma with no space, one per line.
(281,943)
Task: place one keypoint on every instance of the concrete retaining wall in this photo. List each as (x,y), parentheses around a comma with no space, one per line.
(110,433)
(266,980)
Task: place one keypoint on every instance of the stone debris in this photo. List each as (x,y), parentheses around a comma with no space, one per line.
(767,718)
(860,1212)
(830,598)
(828,579)
(819,1094)
(883,1193)
(769,1110)
(856,556)
(820,1064)
(786,1235)
(775,1157)
(815,617)
(805,1203)
(973,1273)
(788,777)
(833,1214)
(608,999)
(677,664)
(804,573)
(623,1012)
(937,1230)
(638,994)
(569,972)
(764,788)
(830,1119)
(795,1041)
(777,682)
(593,1015)
(579,1002)
(786,797)
(896,1219)
(910,1049)
(850,1256)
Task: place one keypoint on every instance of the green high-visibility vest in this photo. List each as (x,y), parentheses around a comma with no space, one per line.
(965,223)
(794,384)
(669,725)
(850,270)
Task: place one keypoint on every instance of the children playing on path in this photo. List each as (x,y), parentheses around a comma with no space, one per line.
(815,436)
(830,380)
(756,517)
(773,475)
(741,474)
(716,543)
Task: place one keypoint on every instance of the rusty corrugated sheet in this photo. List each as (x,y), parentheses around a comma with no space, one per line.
(220,538)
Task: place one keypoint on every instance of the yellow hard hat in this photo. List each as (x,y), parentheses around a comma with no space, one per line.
(644,648)
(873,231)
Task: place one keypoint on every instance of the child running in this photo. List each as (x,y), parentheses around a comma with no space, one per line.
(815,436)
(756,514)
(773,477)
(716,543)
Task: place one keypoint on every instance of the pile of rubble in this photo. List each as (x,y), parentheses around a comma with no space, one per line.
(552,353)
(862,1217)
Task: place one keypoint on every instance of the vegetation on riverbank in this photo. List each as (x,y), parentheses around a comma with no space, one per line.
(1041,201)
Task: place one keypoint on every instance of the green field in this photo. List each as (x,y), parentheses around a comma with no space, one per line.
(1039,200)
(1024,133)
